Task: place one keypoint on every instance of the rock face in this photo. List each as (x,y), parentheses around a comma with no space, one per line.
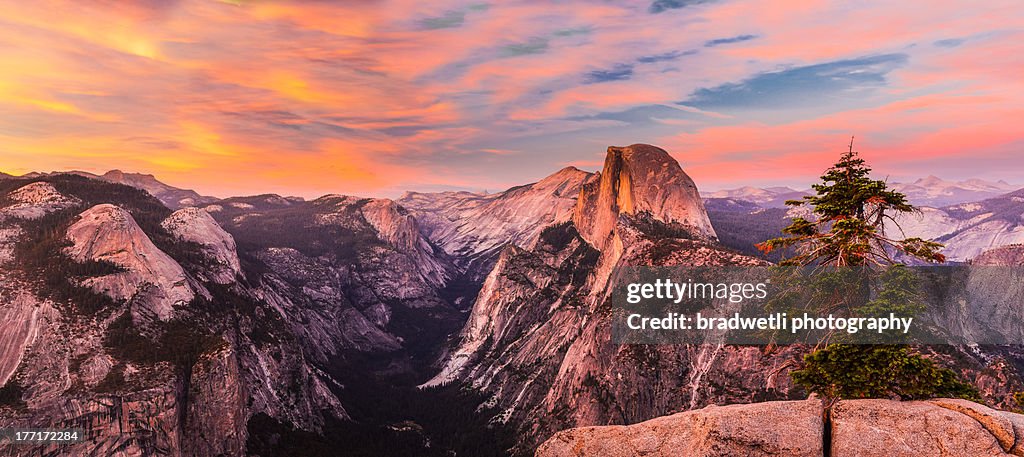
(21,315)
(467,224)
(398,228)
(639,179)
(151,280)
(538,340)
(882,428)
(473,227)
(968,229)
(196,226)
(19,326)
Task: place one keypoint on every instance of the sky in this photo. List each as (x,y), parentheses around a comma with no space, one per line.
(367,97)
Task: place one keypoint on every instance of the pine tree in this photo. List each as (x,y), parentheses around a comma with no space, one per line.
(850,210)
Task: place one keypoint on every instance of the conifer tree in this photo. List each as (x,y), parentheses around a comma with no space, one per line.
(849,211)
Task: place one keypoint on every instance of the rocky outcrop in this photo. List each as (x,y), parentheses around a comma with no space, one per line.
(398,228)
(882,428)
(538,340)
(1005,256)
(152,281)
(886,428)
(639,179)
(473,227)
(36,200)
(791,429)
(196,226)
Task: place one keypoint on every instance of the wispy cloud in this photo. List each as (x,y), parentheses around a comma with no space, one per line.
(665,56)
(730,40)
(449,19)
(950,42)
(535,45)
(620,72)
(660,6)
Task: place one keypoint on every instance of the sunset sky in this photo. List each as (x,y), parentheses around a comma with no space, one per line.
(308,97)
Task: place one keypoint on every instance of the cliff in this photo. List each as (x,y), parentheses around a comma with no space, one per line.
(639,179)
(538,339)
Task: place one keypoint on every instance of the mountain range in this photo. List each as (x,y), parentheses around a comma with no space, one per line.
(172,197)
(929,191)
(981,216)
(168,323)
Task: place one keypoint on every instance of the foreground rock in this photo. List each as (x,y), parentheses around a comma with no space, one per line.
(866,428)
(795,430)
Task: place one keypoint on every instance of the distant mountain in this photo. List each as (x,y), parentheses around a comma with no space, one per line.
(474,227)
(936,192)
(968,229)
(172,197)
(929,191)
(768,197)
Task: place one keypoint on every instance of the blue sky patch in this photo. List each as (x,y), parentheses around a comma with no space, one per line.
(799,86)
